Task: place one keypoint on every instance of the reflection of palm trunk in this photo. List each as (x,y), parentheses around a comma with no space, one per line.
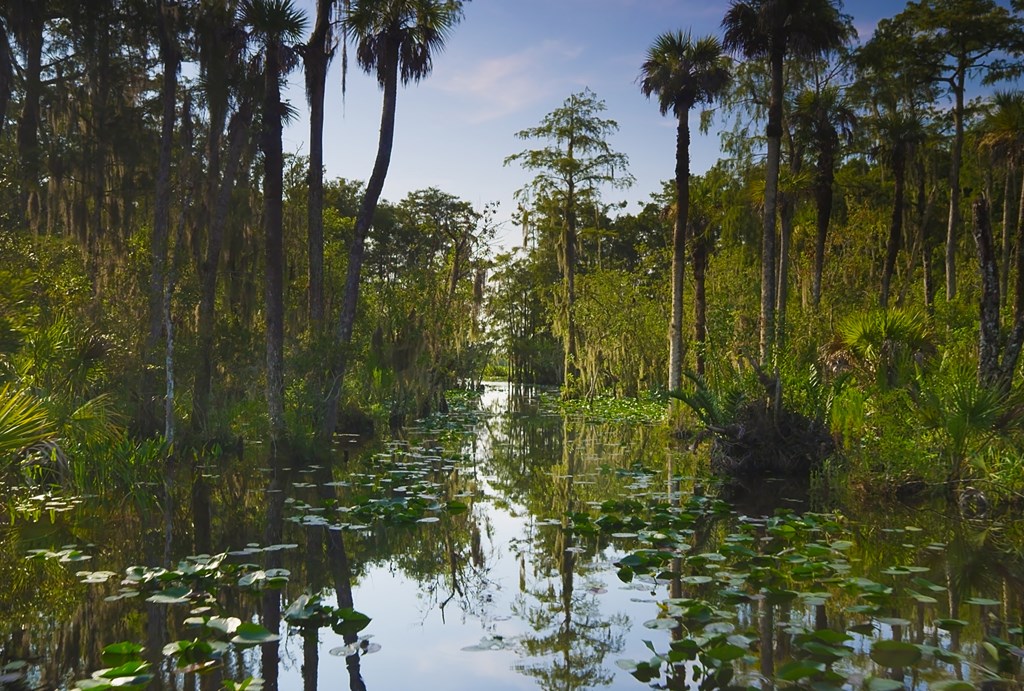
(310,658)
(343,589)
(337,560)
(272,597)
(767,625)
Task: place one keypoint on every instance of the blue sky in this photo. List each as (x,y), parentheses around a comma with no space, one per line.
(506,65)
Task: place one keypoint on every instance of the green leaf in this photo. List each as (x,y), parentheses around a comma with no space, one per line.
(952,685)
(895,653)
(987,602)
(880,684)
(171,596)
(253,634)
(123,648)
(799,669)
(726,652)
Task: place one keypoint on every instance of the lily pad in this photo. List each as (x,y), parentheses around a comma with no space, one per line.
(895,653)
(253,634)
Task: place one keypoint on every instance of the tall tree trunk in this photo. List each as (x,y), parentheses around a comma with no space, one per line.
(682,190)
(238,135)
(823,192)
(1009,227)
(316,57)
(771,190)
(787,210)
(28,124)
(892,246)
(570,368)
(347,319)
(162,205)
(988,340)
(953,227)
(6,74)
(927,245)
(273,223)
(700,321)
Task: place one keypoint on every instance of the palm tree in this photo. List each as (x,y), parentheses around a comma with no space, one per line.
(826,119)
(682,72)
(274,22)
(221,47)
(395,40)
(170,56)
(316,57)
(775,30)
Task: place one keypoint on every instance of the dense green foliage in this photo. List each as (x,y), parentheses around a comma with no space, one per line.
(163,260)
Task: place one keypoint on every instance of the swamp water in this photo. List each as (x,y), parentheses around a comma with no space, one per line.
(502,547)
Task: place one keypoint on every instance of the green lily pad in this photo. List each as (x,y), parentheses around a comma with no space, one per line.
(799,669)
(895,653)
(984,601)
(253,634)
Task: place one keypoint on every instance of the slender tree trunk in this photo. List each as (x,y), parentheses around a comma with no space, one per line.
(927,246)
(273,222)
(238,131)
(6,74)
(346,321)
(28,124)
(700,322)
(787,209)
(1009,227)
(892,246)
(682,190)
(162,205)
(988,344)
(826,175)
(570,368)
(317,57)
(953,228)
(771,189)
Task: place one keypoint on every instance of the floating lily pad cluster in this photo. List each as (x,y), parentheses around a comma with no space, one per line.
(795,575)
(406,486)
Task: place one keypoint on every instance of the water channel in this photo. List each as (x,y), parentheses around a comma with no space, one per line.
(504,546)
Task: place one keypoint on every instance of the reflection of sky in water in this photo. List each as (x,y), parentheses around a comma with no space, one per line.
(423,648)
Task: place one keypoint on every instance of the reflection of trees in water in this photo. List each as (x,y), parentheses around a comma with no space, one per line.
(571,637)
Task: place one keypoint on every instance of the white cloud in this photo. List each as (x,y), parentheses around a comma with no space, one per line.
(500,86)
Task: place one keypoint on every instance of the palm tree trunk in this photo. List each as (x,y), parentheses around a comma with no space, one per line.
(273,221)
(700,322)
(771,190)
(682,184)
(826,166)
(787,209)
(316,58)
(1009,227)
(238,131)
(28,124)
(892,246)
(162,204)
(374,187)
(6,74)
(988,346)
(954,189)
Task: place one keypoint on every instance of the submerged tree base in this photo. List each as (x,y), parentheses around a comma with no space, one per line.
(760,443)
